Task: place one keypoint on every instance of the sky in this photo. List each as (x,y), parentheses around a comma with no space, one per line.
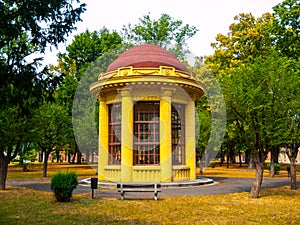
(209,16)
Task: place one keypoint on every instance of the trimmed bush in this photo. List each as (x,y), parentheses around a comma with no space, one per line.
(63,184)
(276,167)
(212,164)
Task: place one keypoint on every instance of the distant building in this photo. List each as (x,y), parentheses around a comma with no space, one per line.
(283,157)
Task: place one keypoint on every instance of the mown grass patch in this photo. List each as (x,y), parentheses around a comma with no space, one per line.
(241,172)
(36,169)
(276,206)
(88,170)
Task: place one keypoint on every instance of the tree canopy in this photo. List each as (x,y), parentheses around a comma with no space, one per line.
(164,32)
(26,29)
(259,75)
(287,28)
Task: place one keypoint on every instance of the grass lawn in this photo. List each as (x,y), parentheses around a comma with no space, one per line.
(87,170)
(234,170)
(276,206)
(24,206)
(36,170)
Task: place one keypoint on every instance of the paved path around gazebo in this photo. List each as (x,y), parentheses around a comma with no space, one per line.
(222,185)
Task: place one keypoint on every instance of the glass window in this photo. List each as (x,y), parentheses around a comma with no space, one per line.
(146,133)
(178,134)
(114,142)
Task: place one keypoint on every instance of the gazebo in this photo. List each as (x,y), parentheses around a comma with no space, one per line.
(146,117)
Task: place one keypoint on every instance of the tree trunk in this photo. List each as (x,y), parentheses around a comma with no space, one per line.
(240,158)
(227,160)
(45,165)
(79,157)
(293,174)
(41,157)
(231,154)
(69,156)
(73,158)
(3,172)
(222,158)
(87,156)
(276,155)
(201,165)
(57,156)
(93,156)
(251,163)
(247,156)
(259,171)
(206,159)
(272,167)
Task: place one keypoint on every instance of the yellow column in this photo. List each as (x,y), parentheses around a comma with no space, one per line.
(190,138)
(103,138)
(126,136)
(165,136)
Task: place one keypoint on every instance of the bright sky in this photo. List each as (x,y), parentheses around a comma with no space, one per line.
(209,16)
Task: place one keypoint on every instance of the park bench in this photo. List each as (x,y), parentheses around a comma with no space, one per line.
(145,187)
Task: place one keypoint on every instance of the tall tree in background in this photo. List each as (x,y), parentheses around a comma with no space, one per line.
(287,28)
(255,78)
(165,32)
(211,114)
(287,34)
(259,96)
(80,61)
(248,38)
(52,130)
(80,54)
(26,29)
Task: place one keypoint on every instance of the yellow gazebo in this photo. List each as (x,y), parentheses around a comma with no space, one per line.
(147,117)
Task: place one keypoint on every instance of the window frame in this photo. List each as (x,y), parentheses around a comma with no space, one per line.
(146,138)
(178,134)
(114,133)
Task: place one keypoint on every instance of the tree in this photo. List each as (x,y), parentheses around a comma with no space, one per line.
(163,32)
(259,95)
(234,141)
(290,124)
(248,38)
(52,131)
(80,54)
(203,129)
(85,48)
(80,68)
(211,114)
(287,28)
(26,29)
(15,134)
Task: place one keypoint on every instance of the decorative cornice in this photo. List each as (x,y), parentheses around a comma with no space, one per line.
(146,78)
(167,71)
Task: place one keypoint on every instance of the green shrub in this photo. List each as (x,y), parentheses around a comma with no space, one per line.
(276,167)
(212,164)
(63,184)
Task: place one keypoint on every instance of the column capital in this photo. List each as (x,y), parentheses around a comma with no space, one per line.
(101,98)
(125,92)
(167,91)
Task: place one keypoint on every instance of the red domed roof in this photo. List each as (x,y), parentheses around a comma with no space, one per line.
(146,55)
